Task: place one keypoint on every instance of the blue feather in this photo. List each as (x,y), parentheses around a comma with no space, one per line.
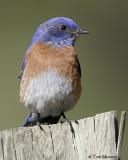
(27,120)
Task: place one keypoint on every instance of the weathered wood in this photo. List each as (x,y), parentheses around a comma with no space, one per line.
(95,138)
(121,133)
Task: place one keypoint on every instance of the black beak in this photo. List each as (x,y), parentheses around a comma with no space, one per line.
(80,31)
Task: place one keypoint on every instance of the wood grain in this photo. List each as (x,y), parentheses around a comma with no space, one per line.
(95,138)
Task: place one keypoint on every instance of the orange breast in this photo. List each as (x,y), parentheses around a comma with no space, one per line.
(42,58)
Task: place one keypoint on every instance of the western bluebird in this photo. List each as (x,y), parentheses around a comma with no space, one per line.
(51,75)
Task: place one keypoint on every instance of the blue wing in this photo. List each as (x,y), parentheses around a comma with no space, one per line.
(78,67)
(24,63)
(22,68)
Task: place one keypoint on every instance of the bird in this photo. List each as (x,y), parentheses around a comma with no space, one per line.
(50,77)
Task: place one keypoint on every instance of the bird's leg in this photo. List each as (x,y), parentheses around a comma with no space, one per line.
(39,124)
(38,120)
(64,117)
(34,119)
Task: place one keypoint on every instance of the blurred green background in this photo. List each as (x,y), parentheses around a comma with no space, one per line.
(103,55)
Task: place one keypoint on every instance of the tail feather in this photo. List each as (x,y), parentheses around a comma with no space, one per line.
(27,122)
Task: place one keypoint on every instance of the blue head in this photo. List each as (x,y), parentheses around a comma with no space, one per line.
(58,32)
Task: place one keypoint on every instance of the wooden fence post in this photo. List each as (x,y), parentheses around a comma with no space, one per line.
(95,138)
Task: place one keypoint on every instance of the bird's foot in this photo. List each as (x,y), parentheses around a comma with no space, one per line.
(41,128)
(65,119)
(70,123)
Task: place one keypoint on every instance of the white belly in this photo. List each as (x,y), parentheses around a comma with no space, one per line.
(49,94)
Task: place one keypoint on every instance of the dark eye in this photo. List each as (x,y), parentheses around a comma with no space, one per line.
(63,27)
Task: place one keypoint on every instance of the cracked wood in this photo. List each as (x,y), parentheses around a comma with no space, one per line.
(94,138)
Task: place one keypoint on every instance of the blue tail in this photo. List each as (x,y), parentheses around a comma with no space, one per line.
(27,120)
